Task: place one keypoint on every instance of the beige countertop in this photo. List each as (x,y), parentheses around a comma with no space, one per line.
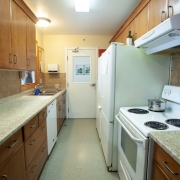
(16,112)
(169,141)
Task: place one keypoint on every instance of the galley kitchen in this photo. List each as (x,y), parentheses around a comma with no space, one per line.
(89,90)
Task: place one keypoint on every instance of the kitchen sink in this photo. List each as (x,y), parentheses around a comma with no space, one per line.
(47,92)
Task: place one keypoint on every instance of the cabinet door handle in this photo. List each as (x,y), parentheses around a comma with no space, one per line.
(34,168)
(163,13)
(32,142)
(44,127)
(15,59)
(14,143)
(10,58)
(165,164)
(4,177)
(170,7)
(44,149)
(28,64)
(44,114)
(33,125)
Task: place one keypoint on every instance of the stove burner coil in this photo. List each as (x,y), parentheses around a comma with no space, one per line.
(173,122)
(156,125)
(138,111)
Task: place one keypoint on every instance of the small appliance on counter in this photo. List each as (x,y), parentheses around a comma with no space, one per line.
(135,148)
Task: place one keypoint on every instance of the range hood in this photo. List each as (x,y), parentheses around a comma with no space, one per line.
(165,36)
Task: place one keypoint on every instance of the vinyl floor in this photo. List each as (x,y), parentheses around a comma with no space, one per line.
(77,154)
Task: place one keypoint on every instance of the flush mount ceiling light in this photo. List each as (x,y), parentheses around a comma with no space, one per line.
(43,22)
(82,5)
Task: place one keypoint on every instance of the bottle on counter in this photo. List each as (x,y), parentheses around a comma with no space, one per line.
(129,39)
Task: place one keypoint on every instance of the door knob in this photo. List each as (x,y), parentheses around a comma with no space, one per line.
(93,85)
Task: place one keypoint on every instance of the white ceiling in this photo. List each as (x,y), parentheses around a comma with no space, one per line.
(104,18)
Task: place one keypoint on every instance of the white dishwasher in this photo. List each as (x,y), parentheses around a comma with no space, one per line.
(51,121)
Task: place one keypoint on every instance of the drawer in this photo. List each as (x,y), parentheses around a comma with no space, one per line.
(30,127)
(165,161)
(42,116)
(38,162)
(34,142)
(9,146)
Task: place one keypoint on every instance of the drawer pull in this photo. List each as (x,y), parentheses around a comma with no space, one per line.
(44,114)
(163,13)
(32,142)
(33,125)
(165,164)
(10,58)
(4,177)
(44,127)
(15,142)
(44,149)
(34,168)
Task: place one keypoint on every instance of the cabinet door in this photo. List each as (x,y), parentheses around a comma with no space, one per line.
(58,110)
(18,33)
(141,23)
(31,45)
(14,167)
(5,35)
(64,107)
(174,7)
(157,12)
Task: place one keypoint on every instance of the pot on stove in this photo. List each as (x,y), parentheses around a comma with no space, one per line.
(157,105)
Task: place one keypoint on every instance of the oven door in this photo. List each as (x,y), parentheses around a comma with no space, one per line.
(132,151)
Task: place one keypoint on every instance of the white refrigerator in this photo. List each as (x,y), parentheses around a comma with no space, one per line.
(126,77)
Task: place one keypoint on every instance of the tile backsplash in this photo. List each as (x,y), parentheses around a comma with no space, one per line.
(49,79)
(175,70)
(10,82)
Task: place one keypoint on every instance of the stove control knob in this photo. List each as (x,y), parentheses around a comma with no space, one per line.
(165,91)
(169,92)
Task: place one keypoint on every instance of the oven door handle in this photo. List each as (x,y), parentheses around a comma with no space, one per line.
(141,141)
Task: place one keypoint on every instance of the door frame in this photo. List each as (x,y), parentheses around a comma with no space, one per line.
(66,71)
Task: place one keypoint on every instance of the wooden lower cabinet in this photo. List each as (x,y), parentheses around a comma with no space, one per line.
(164,167)
(33,143)
(61,110)
(37,164)
(14,167)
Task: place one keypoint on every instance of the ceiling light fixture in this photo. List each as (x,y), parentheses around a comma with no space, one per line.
(82,5)
(43,22)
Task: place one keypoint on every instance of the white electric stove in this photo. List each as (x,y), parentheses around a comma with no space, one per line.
(135,148)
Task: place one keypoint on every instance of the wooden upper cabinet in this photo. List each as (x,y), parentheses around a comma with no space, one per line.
(157,12)
(141,23)
(5,35)
(18,34)
(173,7)
(31,45)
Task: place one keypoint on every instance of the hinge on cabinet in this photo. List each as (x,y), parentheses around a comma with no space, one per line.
(67,84)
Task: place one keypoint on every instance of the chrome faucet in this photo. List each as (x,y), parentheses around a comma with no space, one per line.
(36,86)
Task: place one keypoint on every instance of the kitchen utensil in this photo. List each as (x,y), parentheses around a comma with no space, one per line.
(157,105)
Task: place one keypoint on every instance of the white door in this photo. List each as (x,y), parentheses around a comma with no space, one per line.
(81,78)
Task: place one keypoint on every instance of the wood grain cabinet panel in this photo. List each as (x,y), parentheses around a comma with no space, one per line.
(37,164)
(164,165)
(33,143)
(64,106)
(42,115)
(14,167)
(5,35)
(18,36)
(141,23)
(173,7)
(30,127)
(10,145)
(157,12)
(31,45)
